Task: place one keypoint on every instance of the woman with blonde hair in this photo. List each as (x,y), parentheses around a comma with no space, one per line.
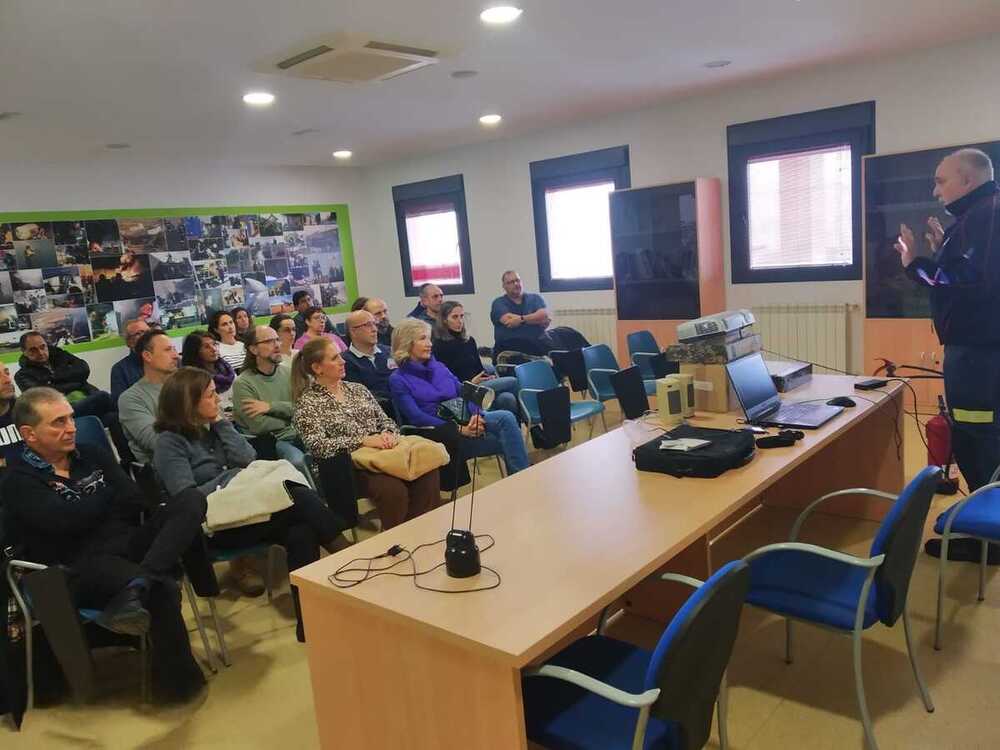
(197,449)
(334,416)
(420,384)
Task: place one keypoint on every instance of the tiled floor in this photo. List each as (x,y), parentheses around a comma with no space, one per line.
(264,700)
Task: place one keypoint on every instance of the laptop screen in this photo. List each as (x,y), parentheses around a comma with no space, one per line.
(753,385)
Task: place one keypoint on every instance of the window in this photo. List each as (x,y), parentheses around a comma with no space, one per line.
(795,195)
(572,217)
(434,235)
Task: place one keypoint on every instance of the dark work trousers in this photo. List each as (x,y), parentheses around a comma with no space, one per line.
(119,553)
(972,389)
(97,404)
(300,529)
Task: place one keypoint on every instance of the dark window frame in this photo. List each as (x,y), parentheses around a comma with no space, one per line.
(414,197)
(852,125)
(575,170)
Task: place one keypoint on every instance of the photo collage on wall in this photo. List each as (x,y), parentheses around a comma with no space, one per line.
(80,281)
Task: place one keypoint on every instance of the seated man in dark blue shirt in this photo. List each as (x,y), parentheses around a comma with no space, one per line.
(366,362)
(519,319)
(73,505)
(431,298)
(127,371)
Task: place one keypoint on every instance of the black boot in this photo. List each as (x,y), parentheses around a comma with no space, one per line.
(300,631)
(126,612)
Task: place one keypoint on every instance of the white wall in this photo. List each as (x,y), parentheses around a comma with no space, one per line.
(931,98)
(120,181)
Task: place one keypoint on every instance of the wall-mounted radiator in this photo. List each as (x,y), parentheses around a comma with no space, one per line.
(597,324)
(808,333)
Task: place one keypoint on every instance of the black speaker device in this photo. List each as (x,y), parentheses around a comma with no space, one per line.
(461,554)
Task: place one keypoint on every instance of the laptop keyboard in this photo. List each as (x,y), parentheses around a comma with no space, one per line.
(793,413)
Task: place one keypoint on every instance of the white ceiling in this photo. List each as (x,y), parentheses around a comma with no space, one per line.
(167,76)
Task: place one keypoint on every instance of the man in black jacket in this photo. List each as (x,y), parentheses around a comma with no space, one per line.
(963,278)
(73,506)
(40,365)
(365,361)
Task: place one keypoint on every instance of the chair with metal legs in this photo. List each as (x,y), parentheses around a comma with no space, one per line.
(601,693)
(974,517)
(42,596)
(845,593)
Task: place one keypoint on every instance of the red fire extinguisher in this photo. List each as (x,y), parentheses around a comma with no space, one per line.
(938,431)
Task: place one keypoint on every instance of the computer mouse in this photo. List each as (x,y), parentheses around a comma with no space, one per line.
(842,401)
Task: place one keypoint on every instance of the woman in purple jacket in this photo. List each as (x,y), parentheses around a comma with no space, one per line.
(421,383)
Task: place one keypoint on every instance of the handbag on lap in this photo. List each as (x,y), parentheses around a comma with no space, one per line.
(410,459)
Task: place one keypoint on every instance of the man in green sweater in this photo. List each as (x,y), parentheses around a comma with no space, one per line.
(262,398)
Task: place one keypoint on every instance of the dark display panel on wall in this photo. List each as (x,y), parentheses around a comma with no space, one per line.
(654,240)
(899,190)
(77,277)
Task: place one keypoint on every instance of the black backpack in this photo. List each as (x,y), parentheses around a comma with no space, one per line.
(728,449)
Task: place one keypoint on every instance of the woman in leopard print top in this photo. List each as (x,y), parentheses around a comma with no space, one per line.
(333,416)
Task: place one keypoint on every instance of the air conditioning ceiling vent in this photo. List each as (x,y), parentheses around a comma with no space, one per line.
(354,59)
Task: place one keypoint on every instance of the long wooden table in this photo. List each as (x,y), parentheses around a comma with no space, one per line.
(396,666)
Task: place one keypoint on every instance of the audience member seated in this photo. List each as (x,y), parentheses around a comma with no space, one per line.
(334,416)
(429,306)
(284,326)
(222,326)
(200,349)
(421,383)
(242,320)
(302,301)
(10,439)
(55,368)
(519,319)
(70,504)
(380,311)
(366,361)
(457,350)
(127,371)
(137,406)
(262,398)
(197,449)
(316,322)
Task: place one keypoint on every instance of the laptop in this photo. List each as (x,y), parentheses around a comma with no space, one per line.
(762,404)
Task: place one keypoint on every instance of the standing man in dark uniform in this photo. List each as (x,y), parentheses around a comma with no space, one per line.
(963,277)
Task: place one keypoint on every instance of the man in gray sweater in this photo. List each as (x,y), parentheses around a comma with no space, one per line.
(137,405)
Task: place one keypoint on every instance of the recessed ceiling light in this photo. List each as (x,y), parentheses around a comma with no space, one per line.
(342,154)
(718,63)
(464,73)
(118,146)
(499,14)
(258,98)
(490,119)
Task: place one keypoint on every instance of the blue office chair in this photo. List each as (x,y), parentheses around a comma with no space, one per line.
(601,365)
(605,694)
(535,377)
(90,431)
(642,347)
(845,593)
(975,517)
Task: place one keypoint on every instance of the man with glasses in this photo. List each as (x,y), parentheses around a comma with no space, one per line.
(519,318)
(380,311)
(127,371)
(366,361)
(262,398)
(429,306)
